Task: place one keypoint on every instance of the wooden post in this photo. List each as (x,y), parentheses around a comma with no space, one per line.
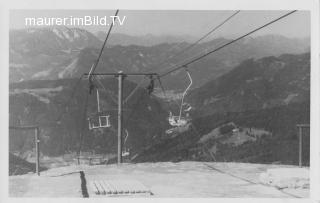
(120,79)
(300,146)
(37,141)
(300,128)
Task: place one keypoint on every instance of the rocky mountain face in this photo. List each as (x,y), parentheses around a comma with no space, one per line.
(41,53)
(59,53)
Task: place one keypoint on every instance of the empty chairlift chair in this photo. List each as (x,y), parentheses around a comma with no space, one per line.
(100,119)
(126,151)
(178,121)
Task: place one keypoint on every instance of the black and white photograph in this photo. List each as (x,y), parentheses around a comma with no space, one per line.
(160,103)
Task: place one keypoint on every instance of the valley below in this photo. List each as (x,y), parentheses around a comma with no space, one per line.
(244,105)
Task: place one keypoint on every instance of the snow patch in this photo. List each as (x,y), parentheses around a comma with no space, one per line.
(40,98)
(67,51)
(56,31)
(289,98)
(31,30)
(42,94)
(67,36)
(69,69)
(253,79)
(18,65)
(211,100)
(42,74)
(236,136)
(76,34)
(286,177)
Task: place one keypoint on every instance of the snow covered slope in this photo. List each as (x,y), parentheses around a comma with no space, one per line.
(164,179)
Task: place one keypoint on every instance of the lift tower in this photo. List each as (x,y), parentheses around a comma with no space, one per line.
(121,76)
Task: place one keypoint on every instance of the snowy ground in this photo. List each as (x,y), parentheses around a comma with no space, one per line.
(183,179)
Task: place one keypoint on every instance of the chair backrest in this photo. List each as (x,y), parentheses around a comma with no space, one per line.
(101,121)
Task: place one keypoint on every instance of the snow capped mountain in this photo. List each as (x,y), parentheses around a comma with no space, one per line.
(51,40)
(144,40)
(39,53)
(61,52)
(247,83)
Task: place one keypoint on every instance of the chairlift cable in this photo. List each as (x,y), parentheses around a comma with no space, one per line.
(138,100)
(228,43)
(93,68)
(161,86)
(190,62)
(200,39)
(136,104)
(134,90)
(134,108)
(207,34)
(108,91)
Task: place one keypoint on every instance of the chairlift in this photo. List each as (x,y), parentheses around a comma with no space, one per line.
(189,107)
(99,120)
(178,121)
(125,152)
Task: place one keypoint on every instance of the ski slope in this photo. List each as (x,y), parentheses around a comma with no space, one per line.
(164,179)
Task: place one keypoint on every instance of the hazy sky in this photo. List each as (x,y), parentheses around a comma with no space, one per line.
(180,22)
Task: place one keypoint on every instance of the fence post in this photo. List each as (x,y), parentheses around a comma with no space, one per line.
(37,151)
(300,146)
(300,128)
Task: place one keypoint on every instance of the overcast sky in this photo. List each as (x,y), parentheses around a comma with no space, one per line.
(180,22)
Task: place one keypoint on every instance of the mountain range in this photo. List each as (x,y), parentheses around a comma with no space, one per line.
(143,40)
(63,118)
(52,53)
(256,84)
(259,85)
(247,115)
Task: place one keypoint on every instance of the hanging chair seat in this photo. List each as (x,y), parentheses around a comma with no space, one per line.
(125,153)
(99,120)
(175,121)
(178,121)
